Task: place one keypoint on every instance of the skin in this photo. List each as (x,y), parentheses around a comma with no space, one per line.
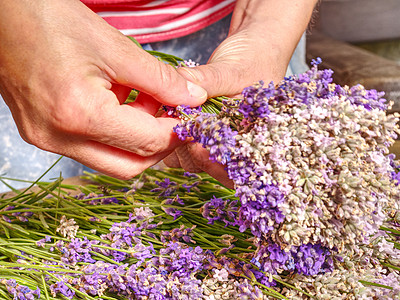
(65,74)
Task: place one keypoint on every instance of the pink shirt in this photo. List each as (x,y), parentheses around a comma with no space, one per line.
(158,20)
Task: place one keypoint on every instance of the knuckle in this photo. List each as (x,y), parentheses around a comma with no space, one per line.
(149,149)
(38,137)
(127,173)
(195,75)
(172,160)
(167,76)
(69,116)
(33,137)
(125,176)
(189,161)
(34,130)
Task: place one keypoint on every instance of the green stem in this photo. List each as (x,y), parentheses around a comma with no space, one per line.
(7,265)
(46,293)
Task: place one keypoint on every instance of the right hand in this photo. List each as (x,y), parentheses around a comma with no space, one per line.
(65,74)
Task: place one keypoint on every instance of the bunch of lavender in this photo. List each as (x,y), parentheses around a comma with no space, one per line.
(310,164)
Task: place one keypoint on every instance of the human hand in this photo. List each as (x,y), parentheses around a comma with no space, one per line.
(65,74)
(261,41)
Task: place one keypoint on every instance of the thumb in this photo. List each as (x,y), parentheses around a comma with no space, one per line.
(142,71)
(218,79)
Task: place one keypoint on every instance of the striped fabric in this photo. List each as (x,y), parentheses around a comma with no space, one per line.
(159,20)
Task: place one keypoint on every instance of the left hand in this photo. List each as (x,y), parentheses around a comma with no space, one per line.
(261,41)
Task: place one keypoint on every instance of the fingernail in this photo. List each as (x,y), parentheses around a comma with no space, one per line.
(197,91)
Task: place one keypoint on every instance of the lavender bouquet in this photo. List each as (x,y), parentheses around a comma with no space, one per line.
(314,212)
(311,168)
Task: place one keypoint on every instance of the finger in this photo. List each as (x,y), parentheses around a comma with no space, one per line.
(234,65)
(200,157)
(185,159)
(146,103)
(101,118)
(217,79)
(110,160)
(172,160)
(225,73)
(133,130)
(136,68)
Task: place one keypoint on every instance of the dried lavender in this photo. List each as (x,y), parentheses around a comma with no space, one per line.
(67,228)
(310,164)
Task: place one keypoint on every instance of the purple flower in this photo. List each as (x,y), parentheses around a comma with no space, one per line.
(170,209)
(143,252)
(78,250)
(190,175)
(165,188)
(316,61)
(97,199)
(277,254)
(255,101)
(174,212)
(178,234)
(20,216)
(213,133)
(189,187)
(369,99)
(221,210)
(5,218)
(181,109)
(41,243)
(312,259)
(19,291)
(61,288)
(307,259)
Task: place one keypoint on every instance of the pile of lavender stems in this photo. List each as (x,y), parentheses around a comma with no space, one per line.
(314,213)
(161,235)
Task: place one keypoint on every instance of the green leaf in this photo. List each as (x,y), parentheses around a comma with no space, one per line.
(15,227)
(6,296)
(375,284)
(168,58)
(43,221)
(135,41)
(44,287)
(6,231)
